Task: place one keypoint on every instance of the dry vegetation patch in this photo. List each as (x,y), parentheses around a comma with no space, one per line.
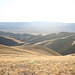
(35,65)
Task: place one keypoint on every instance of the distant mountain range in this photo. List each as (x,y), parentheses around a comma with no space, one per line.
(37,27)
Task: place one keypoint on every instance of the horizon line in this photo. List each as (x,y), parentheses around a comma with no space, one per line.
(36,21)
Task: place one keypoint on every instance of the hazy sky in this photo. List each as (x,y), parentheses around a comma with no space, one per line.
(37,10)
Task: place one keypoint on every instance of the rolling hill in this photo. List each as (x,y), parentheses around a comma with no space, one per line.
(28,50)
(50,37)
(62,42)
(27,54)
(64,45)
(12,46)
(9,50)
(39,50)
(20,36)
(9,41)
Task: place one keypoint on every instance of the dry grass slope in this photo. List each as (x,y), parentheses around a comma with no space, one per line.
(33,60)
(8,50)
(9,41)
(39,50)
(35,65)
(65,45)
(28,50)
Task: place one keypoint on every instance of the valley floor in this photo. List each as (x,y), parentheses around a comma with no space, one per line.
(36,65)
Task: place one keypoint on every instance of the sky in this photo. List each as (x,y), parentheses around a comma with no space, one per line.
(37,10)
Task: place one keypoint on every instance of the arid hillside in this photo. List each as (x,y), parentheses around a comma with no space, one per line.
(8,50)
(38,50)
(36,58)
(28,50)
(36,65)
(9,41)
(62,43)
